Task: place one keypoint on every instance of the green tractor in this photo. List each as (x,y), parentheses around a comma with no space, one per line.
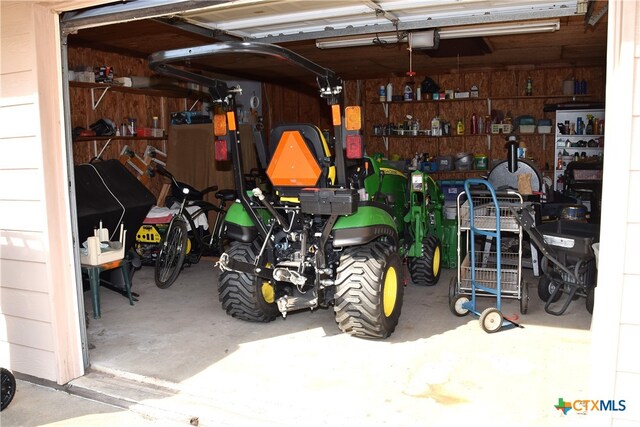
(336,226)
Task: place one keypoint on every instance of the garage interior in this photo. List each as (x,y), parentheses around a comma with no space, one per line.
(181,357)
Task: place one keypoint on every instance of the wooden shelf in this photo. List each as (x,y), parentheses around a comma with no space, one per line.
(176,92)
(430,101)
(490,98)
(426,136)
(493,98)
(126,138)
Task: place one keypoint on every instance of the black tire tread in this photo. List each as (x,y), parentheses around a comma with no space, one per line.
(358,300)
(8,382)
(543,289)
(421,268)
(177,223)
(240,293)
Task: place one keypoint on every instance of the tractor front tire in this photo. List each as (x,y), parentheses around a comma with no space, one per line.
(425,270)
(245,296)
(369,291)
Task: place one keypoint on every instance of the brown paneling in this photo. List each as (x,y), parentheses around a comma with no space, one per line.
(505,90)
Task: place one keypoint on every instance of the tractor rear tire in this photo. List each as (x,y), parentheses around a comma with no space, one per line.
(369,291)
(425,270)
(243,295)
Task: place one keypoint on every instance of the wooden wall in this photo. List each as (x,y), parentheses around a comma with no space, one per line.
(498,90)
(291,105)
(118,106)
(502,91)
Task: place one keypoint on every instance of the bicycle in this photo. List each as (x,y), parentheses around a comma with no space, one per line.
(185,241)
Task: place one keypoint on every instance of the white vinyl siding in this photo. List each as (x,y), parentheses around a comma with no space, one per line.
(38,305)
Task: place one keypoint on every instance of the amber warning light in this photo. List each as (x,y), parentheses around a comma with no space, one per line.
(219,125)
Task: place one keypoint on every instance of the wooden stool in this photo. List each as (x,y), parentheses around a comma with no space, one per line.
(93,272)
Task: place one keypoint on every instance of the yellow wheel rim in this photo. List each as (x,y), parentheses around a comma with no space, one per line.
(390,292)
(436,261)
(268,293)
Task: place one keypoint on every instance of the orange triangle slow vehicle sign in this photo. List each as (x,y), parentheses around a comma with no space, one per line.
(293,164)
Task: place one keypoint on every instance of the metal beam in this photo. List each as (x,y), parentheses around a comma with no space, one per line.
(414,25)
(182,24)
(130,11)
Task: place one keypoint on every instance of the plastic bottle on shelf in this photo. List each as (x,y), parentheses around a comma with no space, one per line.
(474,124)
(408,93)
(389,92)
(589,130)
(460,127)
(522,150)
(383,94)
(480,125)
(529,89)
(435,126)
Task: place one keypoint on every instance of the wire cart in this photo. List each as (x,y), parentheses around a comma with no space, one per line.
(491,272)
(569,262)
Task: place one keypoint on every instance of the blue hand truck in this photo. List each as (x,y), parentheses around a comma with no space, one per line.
(495,274)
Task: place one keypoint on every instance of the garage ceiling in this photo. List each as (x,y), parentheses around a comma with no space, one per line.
(140,27)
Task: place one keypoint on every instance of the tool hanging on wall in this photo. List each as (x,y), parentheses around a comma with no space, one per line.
(128,157)
(151,154)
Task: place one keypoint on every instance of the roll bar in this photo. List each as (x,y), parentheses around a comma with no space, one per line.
(330,85)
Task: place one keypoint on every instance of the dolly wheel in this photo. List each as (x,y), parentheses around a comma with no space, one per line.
(456,305)
(524,298)
(453,287)
(491,320)
(590,299)
(545,289)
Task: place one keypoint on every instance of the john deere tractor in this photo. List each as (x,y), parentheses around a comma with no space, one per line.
(336,227)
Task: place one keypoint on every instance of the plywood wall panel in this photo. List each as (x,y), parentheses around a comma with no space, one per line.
(504,83)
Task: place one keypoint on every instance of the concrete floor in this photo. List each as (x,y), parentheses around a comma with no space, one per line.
(176,356)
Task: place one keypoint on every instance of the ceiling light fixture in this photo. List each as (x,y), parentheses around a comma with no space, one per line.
(429,39)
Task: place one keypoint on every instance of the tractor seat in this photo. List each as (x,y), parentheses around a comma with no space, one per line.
(300,158)
(226,195)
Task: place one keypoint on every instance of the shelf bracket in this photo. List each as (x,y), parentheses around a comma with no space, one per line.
(106,144)
(385,140)
(94,103)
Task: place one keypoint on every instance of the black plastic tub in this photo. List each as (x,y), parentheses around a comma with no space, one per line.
(571,236)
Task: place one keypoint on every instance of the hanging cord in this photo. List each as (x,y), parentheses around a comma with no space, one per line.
(115,229)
